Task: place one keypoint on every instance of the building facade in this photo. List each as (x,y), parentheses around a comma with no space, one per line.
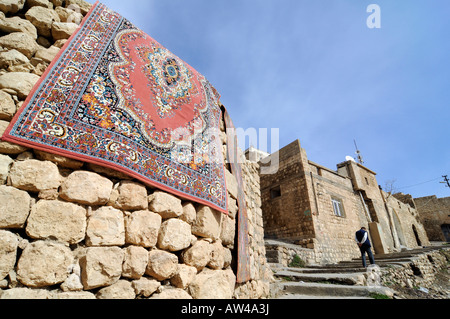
(321,209)
(435,216)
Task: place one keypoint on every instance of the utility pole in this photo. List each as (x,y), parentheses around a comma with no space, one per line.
(446,181)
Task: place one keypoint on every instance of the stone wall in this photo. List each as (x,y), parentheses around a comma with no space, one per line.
(406,223)
(335,235)
(421,272)
(285,196)
(69,229)
(286,252)
(261,274)
(435,215)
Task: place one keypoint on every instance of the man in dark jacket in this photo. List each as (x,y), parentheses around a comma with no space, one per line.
(363,241)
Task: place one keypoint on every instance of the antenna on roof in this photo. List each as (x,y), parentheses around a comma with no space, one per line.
(360,158)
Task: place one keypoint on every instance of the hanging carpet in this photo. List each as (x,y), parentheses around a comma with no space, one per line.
(115,97)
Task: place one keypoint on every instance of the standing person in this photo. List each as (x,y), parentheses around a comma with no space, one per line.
(363,241)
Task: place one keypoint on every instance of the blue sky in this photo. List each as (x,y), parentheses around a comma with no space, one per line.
(315,70)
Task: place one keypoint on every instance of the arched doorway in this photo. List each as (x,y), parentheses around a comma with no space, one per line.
(446,230)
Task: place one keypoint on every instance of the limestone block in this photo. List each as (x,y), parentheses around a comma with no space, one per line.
(22,67)
(184,276)
(25,294)
(107,171)
(145,287)
(101,266)
(5,165)
(213,284)
(68,15)
(217,256)
(16,24)
(79,6)
(130,196)
(174,293)
(41,3)
(50,194)
(87,188)
(34,176)
(161,264)
(207,223)
(228,257)
(189,213)
(42,18)
(60,43)
(47,55)
(58,220)
(8,252)
(7,105)
(11,6)
(6,147)
(232,207)
(120,290)
(40,68)
(72,283)
(59,160)
(105,227)
(14,207)
(168,206)
(142,228)
(57,3)
(232,185)
(44,263)
(19,82)
(135,263)
(21,41)
(199,255)
(228,231)
(77,295)
(174,235)
(63,30)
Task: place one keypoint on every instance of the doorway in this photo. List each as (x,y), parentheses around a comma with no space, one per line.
(416,234)
(446,230)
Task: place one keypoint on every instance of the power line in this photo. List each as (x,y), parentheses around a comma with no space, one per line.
(433,180)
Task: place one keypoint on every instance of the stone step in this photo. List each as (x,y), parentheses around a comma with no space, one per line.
(359,260)
(333,291)
(356,264)
(332,278)
(320,270)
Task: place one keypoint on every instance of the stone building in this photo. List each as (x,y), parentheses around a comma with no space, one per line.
(321,209)
(435,215)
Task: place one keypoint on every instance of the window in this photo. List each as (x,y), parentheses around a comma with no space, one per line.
(367,181)
(338,207)
(275,192)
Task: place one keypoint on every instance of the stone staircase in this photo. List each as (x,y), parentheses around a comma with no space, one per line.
(326,282)
(345,280)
